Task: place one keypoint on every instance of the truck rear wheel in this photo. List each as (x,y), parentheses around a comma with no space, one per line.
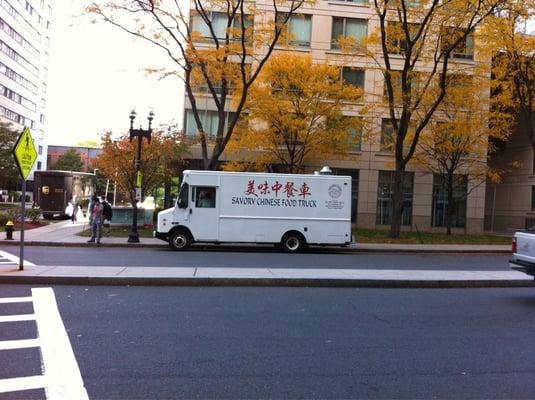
(293,242)
(180,240)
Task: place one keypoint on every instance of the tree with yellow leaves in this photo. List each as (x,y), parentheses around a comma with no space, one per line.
(456,143)
(159,163)
(218,48)
(512,46)
(295,115)
(415,46)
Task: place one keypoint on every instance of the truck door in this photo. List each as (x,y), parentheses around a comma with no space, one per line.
(204,217)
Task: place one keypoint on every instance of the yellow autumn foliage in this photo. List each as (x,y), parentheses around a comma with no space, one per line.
(295,115)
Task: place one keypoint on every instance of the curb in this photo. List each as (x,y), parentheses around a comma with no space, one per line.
(82,244)
(249,247)
(267,282)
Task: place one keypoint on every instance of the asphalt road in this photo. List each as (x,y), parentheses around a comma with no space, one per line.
(105,256)
(290,343)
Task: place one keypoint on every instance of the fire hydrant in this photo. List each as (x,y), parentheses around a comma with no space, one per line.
(9,230)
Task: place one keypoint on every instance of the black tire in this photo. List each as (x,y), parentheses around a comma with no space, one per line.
(48,216)
(180,240)
(293,242)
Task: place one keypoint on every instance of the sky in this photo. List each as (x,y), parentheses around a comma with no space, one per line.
(96,77)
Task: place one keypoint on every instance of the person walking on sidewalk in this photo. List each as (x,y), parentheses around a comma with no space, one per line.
(108,214)
(96,225)
(75,206)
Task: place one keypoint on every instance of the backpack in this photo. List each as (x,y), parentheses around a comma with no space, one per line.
(107,211)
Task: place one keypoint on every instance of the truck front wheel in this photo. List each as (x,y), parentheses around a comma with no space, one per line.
(293,242)
(180,240)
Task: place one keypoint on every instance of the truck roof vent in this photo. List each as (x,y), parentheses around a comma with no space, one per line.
(326,171)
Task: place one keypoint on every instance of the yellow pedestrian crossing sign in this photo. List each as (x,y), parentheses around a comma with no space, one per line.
(25,153)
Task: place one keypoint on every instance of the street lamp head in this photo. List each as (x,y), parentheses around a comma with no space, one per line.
(133,114)
(150,117)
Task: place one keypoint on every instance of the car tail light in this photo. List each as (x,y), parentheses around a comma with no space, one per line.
(513,246)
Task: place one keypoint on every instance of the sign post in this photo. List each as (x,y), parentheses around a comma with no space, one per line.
(25,155)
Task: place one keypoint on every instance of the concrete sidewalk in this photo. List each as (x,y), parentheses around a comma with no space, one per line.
(169,276)
(64,233)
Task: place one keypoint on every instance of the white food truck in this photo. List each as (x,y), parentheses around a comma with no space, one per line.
(290,210)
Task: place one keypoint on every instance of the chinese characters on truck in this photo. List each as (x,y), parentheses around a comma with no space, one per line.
(276,194)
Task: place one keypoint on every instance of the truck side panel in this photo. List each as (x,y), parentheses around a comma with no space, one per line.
(264,230)
(261,208)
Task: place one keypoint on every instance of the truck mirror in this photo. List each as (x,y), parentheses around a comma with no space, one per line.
(182,201)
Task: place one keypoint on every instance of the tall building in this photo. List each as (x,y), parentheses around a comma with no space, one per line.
(25,29)
(315,31)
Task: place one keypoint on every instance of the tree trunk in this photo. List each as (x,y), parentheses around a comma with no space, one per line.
(397,203)
(449,203)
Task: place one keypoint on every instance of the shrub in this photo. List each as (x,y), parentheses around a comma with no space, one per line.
(13,214)
(3,220)
(34,214)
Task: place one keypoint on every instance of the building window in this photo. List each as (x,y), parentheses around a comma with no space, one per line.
(355,129)
(209,119)
(397,37)
(39,165)
(18,58)
(348,28)
(353,76)
(298,29)
(440,201)
(385,190)
(387,135)
(40,150)
(5,70)
(388,140)
(219,22)
(464,50)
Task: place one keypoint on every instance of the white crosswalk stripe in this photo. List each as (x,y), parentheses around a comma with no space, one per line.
(8,259)
(61,379)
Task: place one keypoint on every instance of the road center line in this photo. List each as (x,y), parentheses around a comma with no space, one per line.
(24,383)
(63,378)
(16,318)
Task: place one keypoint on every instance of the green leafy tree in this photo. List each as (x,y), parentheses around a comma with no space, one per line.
(8,169)
(70,161)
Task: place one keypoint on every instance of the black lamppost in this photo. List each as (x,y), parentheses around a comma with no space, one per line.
(133,237)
